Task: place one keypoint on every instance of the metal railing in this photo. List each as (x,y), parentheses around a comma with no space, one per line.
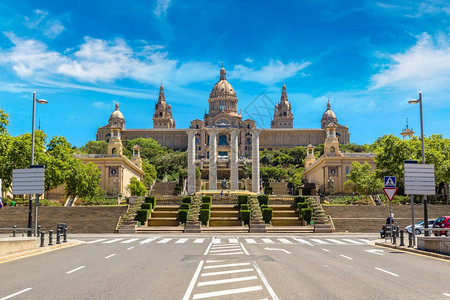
(14,229)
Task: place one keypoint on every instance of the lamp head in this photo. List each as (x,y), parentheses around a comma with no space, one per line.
(41,101)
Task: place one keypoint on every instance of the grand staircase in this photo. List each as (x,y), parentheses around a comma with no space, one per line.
(164,215)
(280,188)
(163,188)
(224,215)
(285,215)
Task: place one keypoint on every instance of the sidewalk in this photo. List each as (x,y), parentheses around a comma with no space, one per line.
(405,248)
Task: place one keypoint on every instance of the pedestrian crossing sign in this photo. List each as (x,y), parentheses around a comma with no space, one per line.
(389,181)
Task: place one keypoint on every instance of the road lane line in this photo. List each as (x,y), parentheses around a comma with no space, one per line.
(268,241)
(353,242)
(250,241)
(228,292)
(110,256)
(239,279)
(181,241)
(387,272)
(285,241)
(130,248)
(146,241)
(226,247)
(74,270)
(245,250)
(319,241)
(187,295)
(215,260)
(199,241)
(208,248)
(216,241)
(226,272)
(233,241)
(96,241)
(349,258)
(364,240)
(15,294)
(302,241)
(163,241)
(445,294)
(225,250)
(264,280)
(336,242)
(326,250)
(232,253)
(227,265)
(112,241)
(129,241)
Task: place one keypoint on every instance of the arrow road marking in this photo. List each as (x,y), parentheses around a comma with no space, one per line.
(376,251)
(276,249)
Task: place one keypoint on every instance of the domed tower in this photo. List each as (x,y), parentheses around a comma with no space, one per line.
(162,118)
(282,116)
(328,117)
(117,118)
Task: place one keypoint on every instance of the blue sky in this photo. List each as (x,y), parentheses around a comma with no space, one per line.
(367,57)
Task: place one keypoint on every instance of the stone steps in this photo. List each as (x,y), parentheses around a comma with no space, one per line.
(163,188)
(164,215)
(224,222)
(224,215)
(286,221)
(285,215)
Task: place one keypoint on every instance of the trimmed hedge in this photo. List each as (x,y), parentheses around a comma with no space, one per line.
(183,215)
(267,214)
(299,199)
(245,207)
(301,205)
(146,206)
(204,215)
(264,206)
(245,216)
(142,215)
(207,199)
(206,206)
(187,200)
(268,190)
(263,199)
(151,199)
(242,199)
(185,206)
(306,214)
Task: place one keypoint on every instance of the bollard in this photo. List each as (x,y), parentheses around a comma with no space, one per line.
(50,237)
(410,244)
(58,237)
(14,231)
(394,238)
(402,238)
(65,235)
(39,230)
(42,238)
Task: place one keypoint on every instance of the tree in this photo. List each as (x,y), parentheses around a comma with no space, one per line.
(136,187)
(150,173)
(4,121)
(81,180)
(94,147)
(363,180)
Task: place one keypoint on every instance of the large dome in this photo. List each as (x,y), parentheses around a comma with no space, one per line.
(116,117)
(328,117)
(223,88)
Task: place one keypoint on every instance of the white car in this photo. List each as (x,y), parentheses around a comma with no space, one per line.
(419,226)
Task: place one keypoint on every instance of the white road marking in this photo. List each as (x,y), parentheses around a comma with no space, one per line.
(445,294)
(319,241)
(353,242)
(224,250)
(302,241)
(232,253)
(233,241)
(163,241)
(181,241)
(130,248)
(336,242)
(215,260)
(228,292)
(15,294)
(239,279)
(250,241)
(199,241)
(285,241)
(245,250)
(225,247)
(226,272)
(349,258)
(227,265)
(326,250)
(146,241)
(74,270)
(129,241)
(110,256)
(264,280)
(209,247)
(187,295)
(112,241)
(96,241)
(387,272)
(364,240)
(268,241)
(277,249)
(216,241)
(375,251)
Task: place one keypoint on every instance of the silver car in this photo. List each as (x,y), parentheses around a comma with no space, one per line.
(419,226)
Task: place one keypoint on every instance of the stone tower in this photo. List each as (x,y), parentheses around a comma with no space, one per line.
(328,117)
(162,118)
(282,116)
(116,118)
(115,147)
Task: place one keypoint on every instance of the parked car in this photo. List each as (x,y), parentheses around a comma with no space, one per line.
(442,222)
(419,226)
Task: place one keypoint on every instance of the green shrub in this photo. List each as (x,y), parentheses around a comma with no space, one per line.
(299,199)
(268,190)
(244,207)
(204,215)
(146,206)
(207,199)
(301,205)
(264,206)
(242,199)
(245,216)
(186,199)
(151,199)
(45,202)
(263,199)
(183,215)
(267,214)
(206,206)
(306,214)
(99,201)
(177,190)
(142,215)
(185,206)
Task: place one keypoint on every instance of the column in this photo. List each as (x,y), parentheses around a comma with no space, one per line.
(234,176)
(212,158)
(191,161)
(255,159)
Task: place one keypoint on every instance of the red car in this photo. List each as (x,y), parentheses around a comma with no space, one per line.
(442,222)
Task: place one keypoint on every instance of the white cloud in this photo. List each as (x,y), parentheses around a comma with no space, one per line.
(249,60)
(51,28)
(275,71)
(425,65)
(161,8)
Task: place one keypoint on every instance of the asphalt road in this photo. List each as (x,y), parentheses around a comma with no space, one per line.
(225,267)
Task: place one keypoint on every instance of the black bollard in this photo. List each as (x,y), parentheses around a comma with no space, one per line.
(14,231)
(42,238)
(65,235)
(402,238)
(50,237)
(410,244)
(39,230)
(58,237)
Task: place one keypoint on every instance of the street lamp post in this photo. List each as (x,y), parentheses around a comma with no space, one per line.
(425,208)
(30,207)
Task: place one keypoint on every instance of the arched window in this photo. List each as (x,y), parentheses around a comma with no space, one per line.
(332,151)
(223,140)
(113,151)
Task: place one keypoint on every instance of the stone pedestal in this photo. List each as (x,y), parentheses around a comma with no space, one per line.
(322,228)
(255,160)
(193,227)
(257,227)
(234,176)
(212,158)
(191,161)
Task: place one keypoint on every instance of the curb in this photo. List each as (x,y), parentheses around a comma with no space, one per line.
(414,250)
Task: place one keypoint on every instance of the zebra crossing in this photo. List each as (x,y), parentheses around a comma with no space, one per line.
(235,240)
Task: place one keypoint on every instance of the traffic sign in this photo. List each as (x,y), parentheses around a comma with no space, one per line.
(389,182)
(390,192)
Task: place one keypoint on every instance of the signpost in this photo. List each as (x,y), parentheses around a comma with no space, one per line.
(390,190)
